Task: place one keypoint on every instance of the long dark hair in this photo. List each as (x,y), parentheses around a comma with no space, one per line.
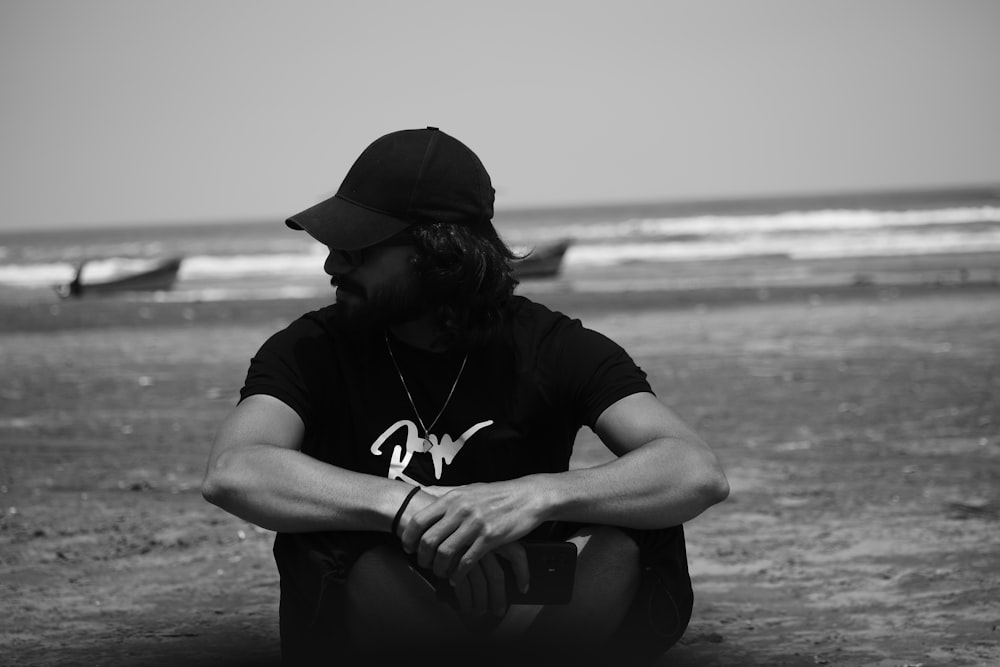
(467,278)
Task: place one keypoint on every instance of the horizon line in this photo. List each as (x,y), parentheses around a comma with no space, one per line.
(985,191)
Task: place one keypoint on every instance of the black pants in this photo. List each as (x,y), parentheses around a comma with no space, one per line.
(313,568)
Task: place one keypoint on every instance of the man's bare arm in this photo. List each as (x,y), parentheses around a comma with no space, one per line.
(256,471)
(664,475)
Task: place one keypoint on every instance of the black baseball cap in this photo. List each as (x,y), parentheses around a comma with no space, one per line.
(405,178)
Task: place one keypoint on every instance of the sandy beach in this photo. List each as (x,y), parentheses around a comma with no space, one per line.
(787,213)
(859,426)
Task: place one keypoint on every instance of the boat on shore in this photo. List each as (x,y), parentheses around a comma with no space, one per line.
(135,276)
(542,261)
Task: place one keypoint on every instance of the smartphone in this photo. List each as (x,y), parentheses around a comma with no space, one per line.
(551,570)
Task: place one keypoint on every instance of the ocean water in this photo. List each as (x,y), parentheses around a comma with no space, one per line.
(635,245)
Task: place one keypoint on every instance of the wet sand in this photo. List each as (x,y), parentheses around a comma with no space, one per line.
(859,425)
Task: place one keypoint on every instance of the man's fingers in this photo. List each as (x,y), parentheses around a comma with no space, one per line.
(468,558)
(472,592)
(453,556)
(495,584)
(463,594)
(437,543)
(480,592)
(414,527)
(515,555)
(431,535)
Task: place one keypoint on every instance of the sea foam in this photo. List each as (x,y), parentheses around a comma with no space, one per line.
(826,233)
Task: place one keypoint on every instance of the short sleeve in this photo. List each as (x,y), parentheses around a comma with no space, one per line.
(291,366)
(590,370)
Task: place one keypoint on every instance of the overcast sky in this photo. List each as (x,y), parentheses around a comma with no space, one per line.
(133,111)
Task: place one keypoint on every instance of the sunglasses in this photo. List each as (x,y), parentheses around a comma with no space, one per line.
(357,257)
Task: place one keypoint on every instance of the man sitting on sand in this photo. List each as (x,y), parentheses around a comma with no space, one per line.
(408,441)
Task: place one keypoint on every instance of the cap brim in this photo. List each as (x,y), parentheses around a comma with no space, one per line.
(344,225)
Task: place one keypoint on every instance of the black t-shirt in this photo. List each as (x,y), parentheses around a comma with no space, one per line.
(516,408)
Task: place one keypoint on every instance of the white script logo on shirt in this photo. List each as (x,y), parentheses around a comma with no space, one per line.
(442,451)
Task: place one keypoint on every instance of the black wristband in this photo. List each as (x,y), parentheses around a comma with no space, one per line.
(399,512)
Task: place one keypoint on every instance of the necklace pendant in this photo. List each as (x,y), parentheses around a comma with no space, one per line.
(429,440)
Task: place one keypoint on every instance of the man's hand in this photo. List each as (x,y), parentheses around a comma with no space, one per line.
(484,588)
(450,534)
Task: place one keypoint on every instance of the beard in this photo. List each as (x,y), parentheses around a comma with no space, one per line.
(391,303)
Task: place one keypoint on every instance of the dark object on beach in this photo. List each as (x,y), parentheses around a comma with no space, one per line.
(158,276)
(862,280)
(544,261)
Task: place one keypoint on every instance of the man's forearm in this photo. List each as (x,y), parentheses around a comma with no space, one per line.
(655,486)
(286,490)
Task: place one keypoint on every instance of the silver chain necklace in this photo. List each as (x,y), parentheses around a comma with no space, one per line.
(427,429)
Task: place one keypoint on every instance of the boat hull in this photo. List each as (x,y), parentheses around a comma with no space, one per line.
(544,261)
(160,277)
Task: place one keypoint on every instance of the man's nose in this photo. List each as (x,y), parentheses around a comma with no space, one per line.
(337,262)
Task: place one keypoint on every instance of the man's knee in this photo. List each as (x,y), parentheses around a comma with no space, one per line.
(612,538)
(608,552)
(376,568)
(607,578)
(382,580)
